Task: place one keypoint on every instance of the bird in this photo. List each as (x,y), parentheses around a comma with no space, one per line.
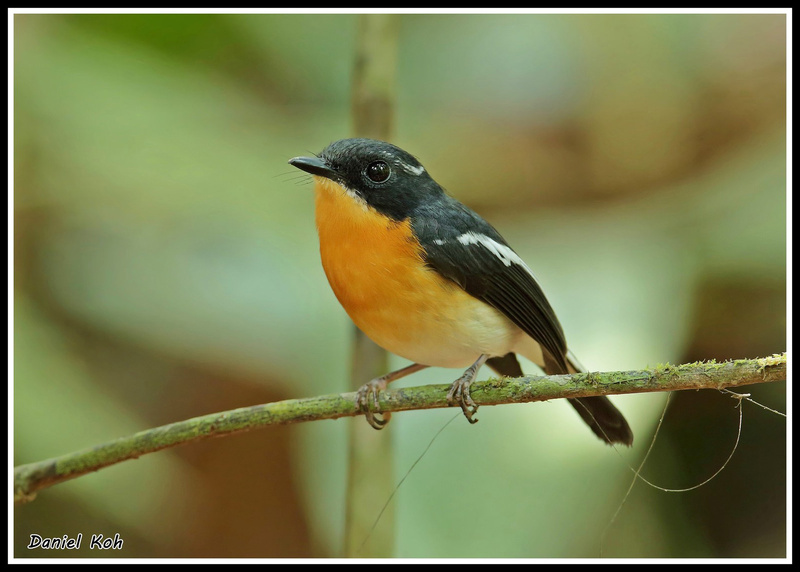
(428,279)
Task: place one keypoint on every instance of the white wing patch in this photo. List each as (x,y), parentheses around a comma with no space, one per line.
(501,251)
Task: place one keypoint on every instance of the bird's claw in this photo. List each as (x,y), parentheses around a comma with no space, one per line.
(369,393)
(459,394)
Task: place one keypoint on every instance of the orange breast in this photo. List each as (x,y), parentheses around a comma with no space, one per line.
(375,267)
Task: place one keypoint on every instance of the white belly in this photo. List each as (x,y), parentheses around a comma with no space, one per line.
(446,338)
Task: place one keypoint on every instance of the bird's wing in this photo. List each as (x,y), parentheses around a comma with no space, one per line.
(466,249)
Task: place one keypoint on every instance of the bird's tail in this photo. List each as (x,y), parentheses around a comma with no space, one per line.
(599,413)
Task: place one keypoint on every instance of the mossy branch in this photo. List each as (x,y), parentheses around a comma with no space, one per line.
(30,478)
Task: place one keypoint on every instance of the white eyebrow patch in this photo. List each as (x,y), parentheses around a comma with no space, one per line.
(411,169)
(501,251)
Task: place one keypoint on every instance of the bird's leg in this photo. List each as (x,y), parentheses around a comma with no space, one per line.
(459,391)
(369,392)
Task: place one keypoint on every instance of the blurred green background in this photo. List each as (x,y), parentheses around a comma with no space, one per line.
(166,266)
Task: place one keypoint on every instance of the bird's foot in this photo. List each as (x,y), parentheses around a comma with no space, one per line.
(368,394)
(459,395)
(459,391)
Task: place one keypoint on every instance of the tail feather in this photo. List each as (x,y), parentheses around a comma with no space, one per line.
(602,417)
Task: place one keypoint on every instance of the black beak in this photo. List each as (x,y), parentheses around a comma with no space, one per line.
(313,165)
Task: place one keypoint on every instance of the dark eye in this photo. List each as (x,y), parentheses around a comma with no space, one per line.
(378,171)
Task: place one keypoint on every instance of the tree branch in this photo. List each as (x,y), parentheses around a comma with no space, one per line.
(30,478)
